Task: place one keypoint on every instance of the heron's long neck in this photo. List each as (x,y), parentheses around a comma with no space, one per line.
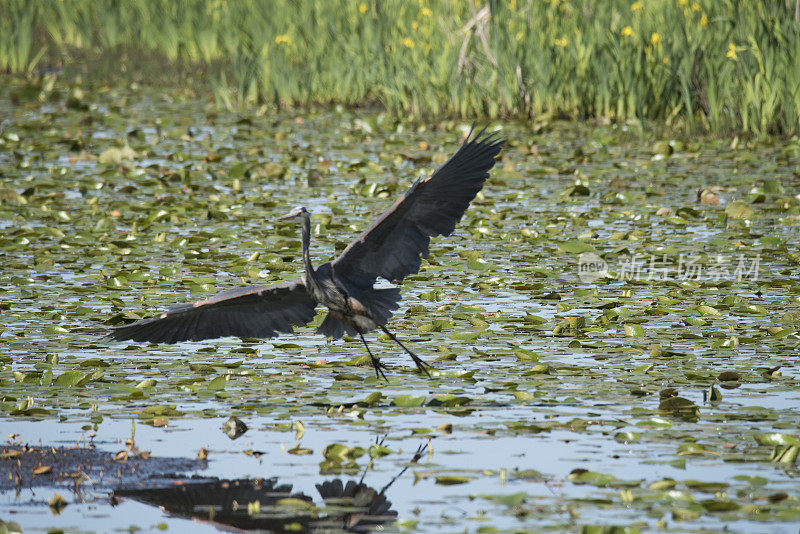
(306,244)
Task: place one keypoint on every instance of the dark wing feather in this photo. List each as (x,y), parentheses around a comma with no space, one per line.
(254,311)
(392,246)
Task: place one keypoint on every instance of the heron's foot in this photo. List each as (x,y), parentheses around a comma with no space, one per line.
(422,365)
(379,367)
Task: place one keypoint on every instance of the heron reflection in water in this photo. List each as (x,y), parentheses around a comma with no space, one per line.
(265,504)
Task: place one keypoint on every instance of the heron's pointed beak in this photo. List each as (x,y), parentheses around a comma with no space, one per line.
(287,217)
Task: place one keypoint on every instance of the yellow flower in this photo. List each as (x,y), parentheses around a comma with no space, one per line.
(665,61)
(655,38)
(426,12)
(520,35)
(408,43)
(362,8)
(731,51)
(627,31)
(414,24)
(703,20)
(636,6)
(562,42)
(683,2)
(283,39)
(695,7)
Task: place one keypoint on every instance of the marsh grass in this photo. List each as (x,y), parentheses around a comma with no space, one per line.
(719,66)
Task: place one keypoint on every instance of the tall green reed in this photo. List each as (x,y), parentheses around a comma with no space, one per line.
(714,65)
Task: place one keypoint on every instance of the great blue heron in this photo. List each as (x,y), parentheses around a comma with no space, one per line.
(389,249)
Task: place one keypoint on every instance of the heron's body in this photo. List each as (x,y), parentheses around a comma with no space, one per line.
(391,249)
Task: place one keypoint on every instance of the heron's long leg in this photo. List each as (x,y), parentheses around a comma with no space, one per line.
(421,365)
(376,363)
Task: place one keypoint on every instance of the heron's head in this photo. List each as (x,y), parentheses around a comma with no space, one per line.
(295,214)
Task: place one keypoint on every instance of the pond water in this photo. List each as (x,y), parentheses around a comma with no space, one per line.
(659,395)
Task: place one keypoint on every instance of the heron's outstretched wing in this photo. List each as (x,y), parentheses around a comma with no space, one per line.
(254,311)
(392,246)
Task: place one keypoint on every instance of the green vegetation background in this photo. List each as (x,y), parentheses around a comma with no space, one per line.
(718,65)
